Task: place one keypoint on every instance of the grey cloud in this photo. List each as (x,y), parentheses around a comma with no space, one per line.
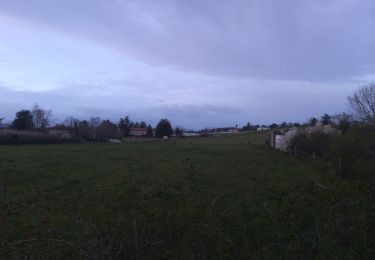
(311,40)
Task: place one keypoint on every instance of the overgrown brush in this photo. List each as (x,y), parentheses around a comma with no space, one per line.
(352,153)
(29,137)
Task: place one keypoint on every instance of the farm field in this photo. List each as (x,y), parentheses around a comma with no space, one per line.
(228,197)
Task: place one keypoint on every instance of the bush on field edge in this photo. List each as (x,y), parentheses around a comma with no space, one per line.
(28,137)
(354,150)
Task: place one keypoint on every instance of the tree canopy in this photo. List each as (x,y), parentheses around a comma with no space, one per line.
(326,119)
(362,102)
(163,128)
(125,126)
(23,120)
(150,131)
(313,121)
(42,118)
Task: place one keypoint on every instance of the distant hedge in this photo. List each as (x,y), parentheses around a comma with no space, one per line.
(27,137)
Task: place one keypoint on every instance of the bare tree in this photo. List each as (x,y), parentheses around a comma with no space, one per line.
(94,123)
(362,102)
(70,122)
(342,121)
(1,122)
(42,118)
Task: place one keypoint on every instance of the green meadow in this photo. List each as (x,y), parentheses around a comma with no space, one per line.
(229,197)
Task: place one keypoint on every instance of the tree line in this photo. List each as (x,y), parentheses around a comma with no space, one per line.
(41,120)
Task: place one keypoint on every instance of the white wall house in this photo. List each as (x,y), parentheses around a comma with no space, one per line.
(280,139)
(263,128)
(138,131)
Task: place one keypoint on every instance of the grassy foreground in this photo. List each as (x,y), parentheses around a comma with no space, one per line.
(228,197)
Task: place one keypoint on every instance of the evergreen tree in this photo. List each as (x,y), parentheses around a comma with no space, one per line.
(313,121)
(23,120)
(179,132)
(150,131)
(143,124)
(163,128)
(326,119)
(125,126)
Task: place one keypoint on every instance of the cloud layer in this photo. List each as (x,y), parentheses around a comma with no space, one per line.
(259,60)
(303,40)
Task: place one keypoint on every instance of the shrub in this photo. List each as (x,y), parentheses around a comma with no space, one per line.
(317,142)
(352,154)
(27,137)
(356,150)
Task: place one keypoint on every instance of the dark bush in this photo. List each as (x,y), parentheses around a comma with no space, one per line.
(356,151)
(317,142)
(352,153)
(27,137)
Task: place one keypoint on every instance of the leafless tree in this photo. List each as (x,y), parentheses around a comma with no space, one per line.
(42,118)
(70,121)
(1,122)
(343,121)
(94,124)
(362,102)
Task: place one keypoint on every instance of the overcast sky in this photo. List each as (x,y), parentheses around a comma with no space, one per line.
(199,63)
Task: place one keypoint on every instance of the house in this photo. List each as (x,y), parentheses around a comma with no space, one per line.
(60,133)
(234,130)
(263,128)
(279,139)
(189,134)
(138,131)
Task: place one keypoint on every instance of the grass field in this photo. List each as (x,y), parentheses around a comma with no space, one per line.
(228,197)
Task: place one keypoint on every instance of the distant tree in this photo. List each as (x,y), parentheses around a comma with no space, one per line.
(1,122)
(296,124)
(179,132)
(23,120)
(362,102)
(163,128)
(75,128)
(274,125)
(70,122)
(94,123)
(42,118)
(107,129)
(142,124)
(84,129)
(61,127)
(124,126)
(135,125)
(247,127)
(313,121)
(284,124)
(326,119)
(150,131)
(343,121)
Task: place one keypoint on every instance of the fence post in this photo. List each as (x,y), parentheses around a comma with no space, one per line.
(313,156)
